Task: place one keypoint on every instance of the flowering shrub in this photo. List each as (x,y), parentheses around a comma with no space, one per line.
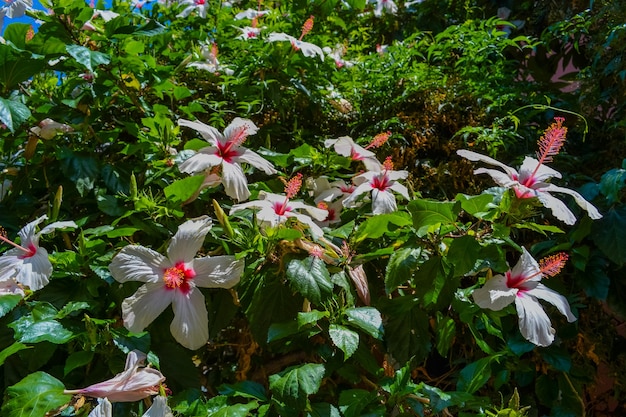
(309,272)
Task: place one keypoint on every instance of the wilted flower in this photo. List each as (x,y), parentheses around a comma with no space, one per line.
(226,152)
(521,285)
(381,183)
(173,280)
(28,263)
(135,383)
(531,180)
(275,209)
(48,129)
(337,55)
(388,6)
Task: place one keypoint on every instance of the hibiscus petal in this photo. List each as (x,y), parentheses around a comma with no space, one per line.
(557,207)
(473,156)
(217,271)
(316,231)
(383,202)
(201,161)
(27,233)
(138,263)
(534,323)
(209,133)
(35,271)
(544,293)
(255,160)
(500,178)
(103,409)
(159,408)
(140,309)
(189,239)
(584,204)
(238,123)
(361,189)
(543,172)
(526,267)
(190,326)
(9,264)
(495,294)
(235,181)
(400,189)
(57,225)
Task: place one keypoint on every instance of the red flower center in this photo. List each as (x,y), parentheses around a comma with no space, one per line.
(381,182)
(178,277)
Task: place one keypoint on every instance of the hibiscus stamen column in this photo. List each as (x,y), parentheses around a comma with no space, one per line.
(550,143)
(27,252)
(307,27)
(548,267)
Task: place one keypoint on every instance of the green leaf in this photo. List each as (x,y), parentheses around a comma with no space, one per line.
(34,396)
(352,402)
(474,375)
(76,360)
(72,307)
(608,234)
(311,317)
(477,205)
(8,303)
(83,170)
(13,113)
(323,410)
(430,279)
(310,277)
(17,66)
(367,319)
(401,265)
(344,338)
(245,389)
(86,57)
(237,410)
(612,183)
(294,385)
(14,348)
(429,213)
(27,330)
(377,226)
(16,34)
(558,357)
(463,254)
(445,331)
(407,328)
(279,331)
(182,190)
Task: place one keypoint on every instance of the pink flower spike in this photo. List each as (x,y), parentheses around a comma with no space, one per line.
(379,140)
(552,265)
(552,141)
(292,187)
(135,383)
(307,27)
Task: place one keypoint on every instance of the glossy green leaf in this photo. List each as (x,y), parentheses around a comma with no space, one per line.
(367,319)
(323,410)
(352,402)
(464,254)
(475,375)
(86,57)
(311,317)
(245,389)
(407,331)
(183,189)
(13,348)
(344,338)
(476,205)
(401,265)
(445,332)
(294,385)
(8,303)
(429,213)
(76,360)
(13,113)
(34,396)
(377,226)
(310,278)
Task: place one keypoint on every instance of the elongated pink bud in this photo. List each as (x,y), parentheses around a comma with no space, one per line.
(307,27)
(552,141)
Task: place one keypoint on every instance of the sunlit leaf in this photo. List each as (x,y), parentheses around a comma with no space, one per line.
(34,396)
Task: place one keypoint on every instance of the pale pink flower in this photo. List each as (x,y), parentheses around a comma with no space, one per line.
(48,128)
(159,408)
(345,146)
(135,383)
(15,8)
(174,280)
(225,151)
(329,196)
(275,209)
(532,181)
(210,62)
(28,263)
(380,183)
(521,286)
(337,55)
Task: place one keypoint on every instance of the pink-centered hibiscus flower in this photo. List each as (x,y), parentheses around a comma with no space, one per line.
(135,383)
(345,146)
(521,286)
(381,184)
(28,263)
(387,6)
(199,6)
(173,279)
(533,176)
(225,151)
(275,209)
